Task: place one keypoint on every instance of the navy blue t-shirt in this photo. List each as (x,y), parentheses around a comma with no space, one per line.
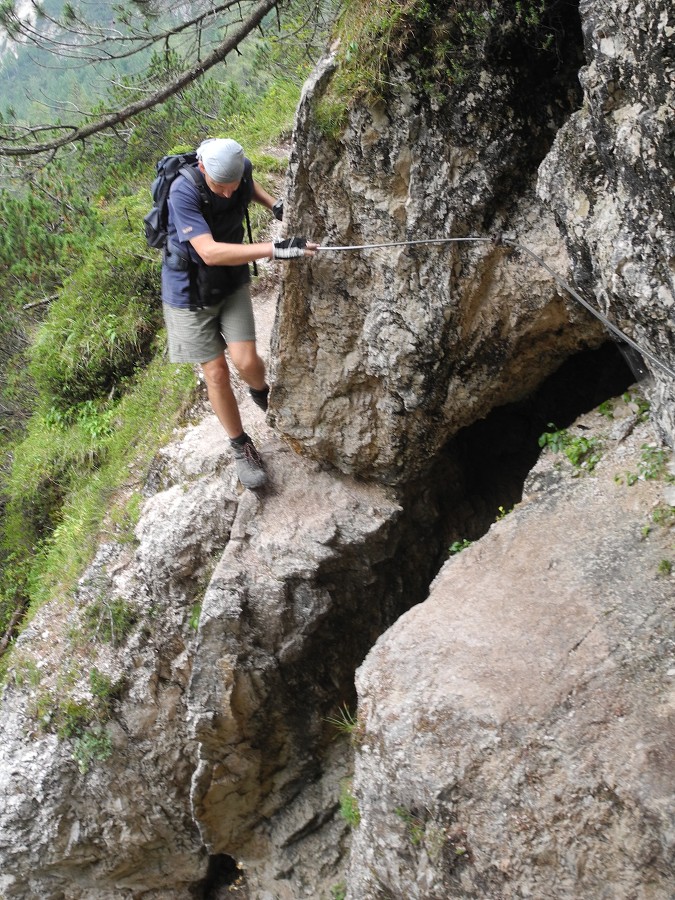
(186,220)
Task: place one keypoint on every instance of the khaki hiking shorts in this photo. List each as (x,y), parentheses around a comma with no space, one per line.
(198,336)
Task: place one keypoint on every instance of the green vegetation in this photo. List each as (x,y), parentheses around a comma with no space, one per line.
(80,720)
(635,402)
(652,466)
(344,720)
(458,546)
(104,689)
(93,745)
(349,806)
(664,515)
(347,722)
(195,613)
(653,462)
(665,567)
(109,620)
(662,518)
(638,404)
(582,451)
(26,672)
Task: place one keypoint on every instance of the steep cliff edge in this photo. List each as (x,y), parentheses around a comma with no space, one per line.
(512,728)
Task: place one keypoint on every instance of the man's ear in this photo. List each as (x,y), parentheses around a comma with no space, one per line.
(200,166)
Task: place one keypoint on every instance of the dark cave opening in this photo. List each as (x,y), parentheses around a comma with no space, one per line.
(496,453)
(222,872)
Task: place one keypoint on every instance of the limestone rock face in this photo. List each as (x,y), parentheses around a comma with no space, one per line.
(99,807)
(517,727)
(292,606)
(609,180)
(381,355)
(245,620)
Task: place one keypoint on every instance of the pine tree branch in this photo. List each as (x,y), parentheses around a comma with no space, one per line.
(76,133)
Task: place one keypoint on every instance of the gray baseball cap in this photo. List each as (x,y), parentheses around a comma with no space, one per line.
(222,158)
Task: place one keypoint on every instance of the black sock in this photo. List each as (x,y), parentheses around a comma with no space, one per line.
(260,396)
(241,440)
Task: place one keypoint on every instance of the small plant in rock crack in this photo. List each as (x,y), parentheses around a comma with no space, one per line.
(26,672)
(652,466)
(638,404)
(110,619)
(104,690)
(630,478)
(502,513)
(349,805)
(90,746)
(414,825)
(458,546)
(653,461)
(664,515)
(195,613)
(665,567)
(583,452)
(347,722)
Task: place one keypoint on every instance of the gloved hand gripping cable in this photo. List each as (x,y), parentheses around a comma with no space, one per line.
(289,248)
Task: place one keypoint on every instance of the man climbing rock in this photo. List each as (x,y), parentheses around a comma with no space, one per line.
(205,284)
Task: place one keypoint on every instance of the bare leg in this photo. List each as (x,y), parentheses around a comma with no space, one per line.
(249,365)
(221,396)
(217,374)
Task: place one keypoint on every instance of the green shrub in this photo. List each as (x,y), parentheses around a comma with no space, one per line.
(102,327)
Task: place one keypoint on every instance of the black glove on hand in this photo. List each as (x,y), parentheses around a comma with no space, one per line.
(289,248)
(278,210)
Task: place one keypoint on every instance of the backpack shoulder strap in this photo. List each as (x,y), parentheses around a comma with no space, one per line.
(194,176)
(247,179)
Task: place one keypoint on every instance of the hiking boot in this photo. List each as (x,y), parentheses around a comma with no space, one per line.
(260,397)
(249,464)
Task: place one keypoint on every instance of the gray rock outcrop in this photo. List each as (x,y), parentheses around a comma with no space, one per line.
(216,741)
(609,180)
(382,355)
(516,729)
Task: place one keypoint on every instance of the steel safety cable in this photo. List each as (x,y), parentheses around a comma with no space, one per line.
(504,241)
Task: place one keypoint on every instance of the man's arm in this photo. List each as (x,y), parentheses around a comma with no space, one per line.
(215,253)
(261,196)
